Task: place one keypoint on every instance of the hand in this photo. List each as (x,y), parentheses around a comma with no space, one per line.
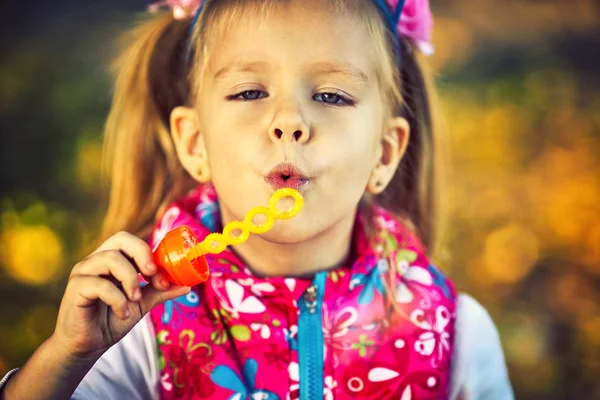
(103,300)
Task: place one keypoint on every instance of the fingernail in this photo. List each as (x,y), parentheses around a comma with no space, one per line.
(137,294)
(127,314)
(151,267)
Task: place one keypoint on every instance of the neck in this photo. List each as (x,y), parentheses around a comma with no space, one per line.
(327,250)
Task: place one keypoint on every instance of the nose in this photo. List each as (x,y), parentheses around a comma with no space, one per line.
(289,125)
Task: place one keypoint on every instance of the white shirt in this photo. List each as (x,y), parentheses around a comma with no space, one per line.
(129,369)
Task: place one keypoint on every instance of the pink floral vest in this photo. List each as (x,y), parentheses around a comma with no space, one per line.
(337,336)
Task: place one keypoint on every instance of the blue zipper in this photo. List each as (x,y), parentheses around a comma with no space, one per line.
(310,340)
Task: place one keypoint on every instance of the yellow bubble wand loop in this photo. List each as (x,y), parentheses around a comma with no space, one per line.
(215,243)
(185,265)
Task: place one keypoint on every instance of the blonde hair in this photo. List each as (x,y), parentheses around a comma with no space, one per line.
(145,172)
(139,152)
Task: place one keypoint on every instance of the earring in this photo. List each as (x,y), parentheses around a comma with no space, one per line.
(378,183)
(199,172)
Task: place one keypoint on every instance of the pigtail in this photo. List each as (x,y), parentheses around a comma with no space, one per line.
(413,192)
(151,79)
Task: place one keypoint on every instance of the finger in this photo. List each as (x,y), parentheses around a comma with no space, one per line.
(160,281)
(89,289)
(112,263)
(152,296)
(132,247)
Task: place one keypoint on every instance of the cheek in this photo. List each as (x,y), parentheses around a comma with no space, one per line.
(227,154)
(229,144)
(354,165)
(234,126)
(353,146)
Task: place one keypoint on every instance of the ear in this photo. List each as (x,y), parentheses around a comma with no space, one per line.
(189,143)
(393,146)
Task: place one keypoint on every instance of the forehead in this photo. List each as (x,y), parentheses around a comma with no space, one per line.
(290,33)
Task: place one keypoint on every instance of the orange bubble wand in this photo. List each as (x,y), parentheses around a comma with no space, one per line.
(182,257)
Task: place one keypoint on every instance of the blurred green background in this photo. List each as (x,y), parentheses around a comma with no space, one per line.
(520,87)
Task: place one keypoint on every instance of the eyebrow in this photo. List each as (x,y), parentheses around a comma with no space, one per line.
(242,67)
(342,68)
(318,68)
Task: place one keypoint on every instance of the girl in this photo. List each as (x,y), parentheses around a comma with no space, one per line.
(211,114)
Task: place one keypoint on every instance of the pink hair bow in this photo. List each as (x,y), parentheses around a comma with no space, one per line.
(416,21)
(182,9)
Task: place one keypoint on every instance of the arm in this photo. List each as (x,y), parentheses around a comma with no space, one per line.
(128,369)
(478,369)
(61,373)
(101,305)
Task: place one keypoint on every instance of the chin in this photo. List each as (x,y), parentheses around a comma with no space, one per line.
(290,232)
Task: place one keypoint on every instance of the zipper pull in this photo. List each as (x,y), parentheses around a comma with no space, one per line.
(310,297)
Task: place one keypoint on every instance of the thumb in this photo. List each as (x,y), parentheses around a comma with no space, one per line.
(151,296)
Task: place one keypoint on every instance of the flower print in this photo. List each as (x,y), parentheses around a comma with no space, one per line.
(294,373)
(434,342)
(191,362)
(243,386)
(336,328)
(386,242)
(258,289)
(165,382)
(330,385)
(336,275)
(236,303)
(238,332)
(368,379)
(291,337)
(207,211)
(277,355)
(220,265)
(265,331)
(373,379)
(386,224)
(371,281)
(290,283)
(440,281)
(264,326)
(185,306)
(362,345)
(409,274)
(163,337)
(219,320)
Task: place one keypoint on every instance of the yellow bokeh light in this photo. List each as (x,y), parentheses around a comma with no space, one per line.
(564,188)
(31,254)
(509,253)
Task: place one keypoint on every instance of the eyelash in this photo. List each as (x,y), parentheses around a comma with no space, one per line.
(239,96)
(341,99)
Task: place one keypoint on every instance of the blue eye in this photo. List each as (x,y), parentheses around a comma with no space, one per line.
(333,99)
(248,95)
